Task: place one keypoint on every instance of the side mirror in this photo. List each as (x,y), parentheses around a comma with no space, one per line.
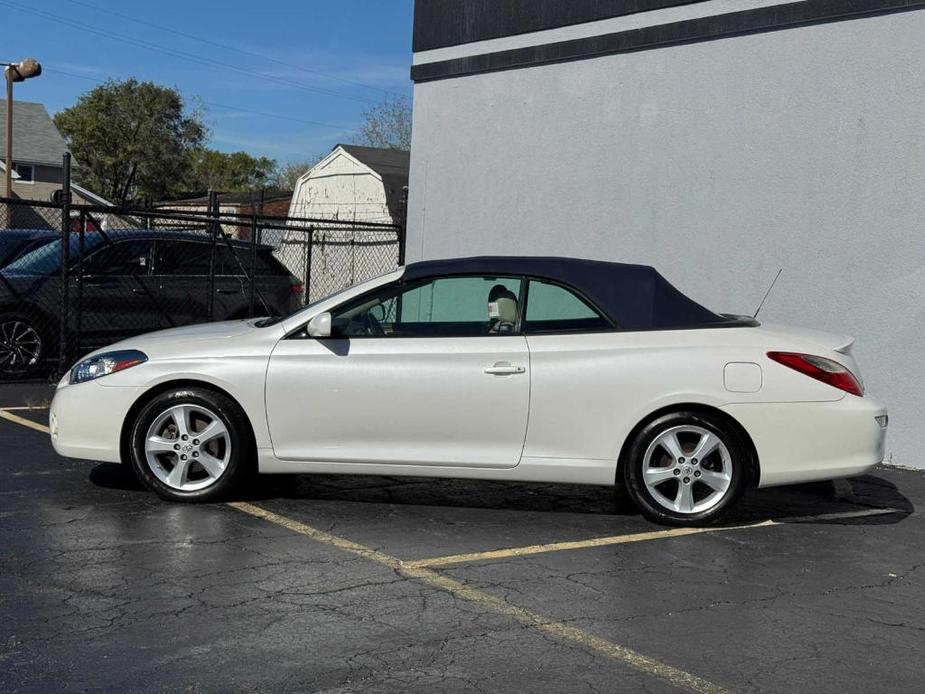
(320,325)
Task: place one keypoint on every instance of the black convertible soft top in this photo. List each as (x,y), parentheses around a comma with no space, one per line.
(634,297)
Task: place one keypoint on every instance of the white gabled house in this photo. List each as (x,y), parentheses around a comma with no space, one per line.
(351,184)
(355,184)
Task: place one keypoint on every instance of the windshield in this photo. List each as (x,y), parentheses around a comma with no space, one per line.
(266,322)
(9,247)
(46,260)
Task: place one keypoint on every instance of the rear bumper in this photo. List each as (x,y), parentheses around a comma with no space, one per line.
(809,441)
(86,420)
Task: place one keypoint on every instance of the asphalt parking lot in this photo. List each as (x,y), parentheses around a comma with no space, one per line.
(349,584)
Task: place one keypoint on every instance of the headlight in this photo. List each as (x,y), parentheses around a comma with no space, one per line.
(105,364)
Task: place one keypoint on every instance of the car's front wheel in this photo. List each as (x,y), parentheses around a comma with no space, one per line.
(686,468)
(22,347)
(191,444)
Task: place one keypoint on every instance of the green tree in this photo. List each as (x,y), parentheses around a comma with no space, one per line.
(132,139)
(387,125)
(229,172)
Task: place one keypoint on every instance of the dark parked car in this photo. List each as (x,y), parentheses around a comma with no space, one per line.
(15,243)
(130,282)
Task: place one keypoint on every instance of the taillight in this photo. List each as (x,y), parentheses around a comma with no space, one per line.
(820,368)
(297,288)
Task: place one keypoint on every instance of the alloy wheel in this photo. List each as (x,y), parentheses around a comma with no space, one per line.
(188,447)
(20,346)
(687,469)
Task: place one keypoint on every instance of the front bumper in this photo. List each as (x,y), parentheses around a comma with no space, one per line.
(86,420)
(809,441)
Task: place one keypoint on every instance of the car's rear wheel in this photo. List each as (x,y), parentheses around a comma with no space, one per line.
(22,347)
(192,444)
(686,468)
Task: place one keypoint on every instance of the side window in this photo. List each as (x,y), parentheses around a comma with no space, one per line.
(269,266)
(552,308)
(231,261)
(189,258)
(442,307)
(120,259)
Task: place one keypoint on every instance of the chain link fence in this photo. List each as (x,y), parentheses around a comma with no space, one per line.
(77,277)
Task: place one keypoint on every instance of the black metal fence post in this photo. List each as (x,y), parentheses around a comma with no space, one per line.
(64,288)
(213,216)
(308,265)
(403,226)
(252,278)
(257,213)
(78,318)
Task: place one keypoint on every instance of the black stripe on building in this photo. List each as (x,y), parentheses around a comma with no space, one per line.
(777,17)
(442,23)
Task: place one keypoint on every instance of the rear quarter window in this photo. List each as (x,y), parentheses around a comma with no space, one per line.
(552,308)
(269,265)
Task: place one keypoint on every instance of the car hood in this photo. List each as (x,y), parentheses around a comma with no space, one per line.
(21,284)
(207,339)
(202,331)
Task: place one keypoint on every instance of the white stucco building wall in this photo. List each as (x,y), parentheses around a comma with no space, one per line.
(717,161)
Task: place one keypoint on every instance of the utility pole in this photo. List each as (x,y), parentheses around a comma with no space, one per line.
(8,170)
(15,72)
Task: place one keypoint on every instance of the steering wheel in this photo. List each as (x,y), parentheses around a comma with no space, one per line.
(364,324)
(373,326)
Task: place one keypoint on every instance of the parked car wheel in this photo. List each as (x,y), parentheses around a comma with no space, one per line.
(22,347)
(686,468)
(192,444)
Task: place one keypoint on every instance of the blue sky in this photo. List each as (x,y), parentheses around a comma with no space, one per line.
(329,61)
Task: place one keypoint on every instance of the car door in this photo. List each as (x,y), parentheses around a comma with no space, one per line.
(118,296)
(578,385)
(414,374)
(182,271)
(232,261)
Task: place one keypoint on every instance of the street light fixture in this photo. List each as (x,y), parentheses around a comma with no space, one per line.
(15,72)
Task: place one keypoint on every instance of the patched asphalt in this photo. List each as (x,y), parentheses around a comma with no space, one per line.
(103,587)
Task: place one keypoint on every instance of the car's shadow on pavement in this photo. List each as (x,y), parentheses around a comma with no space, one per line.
(115,476)
(795,503)
(813,502)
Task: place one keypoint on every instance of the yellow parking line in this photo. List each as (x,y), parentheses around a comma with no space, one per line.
(16,419)
(563,632)
(625,539)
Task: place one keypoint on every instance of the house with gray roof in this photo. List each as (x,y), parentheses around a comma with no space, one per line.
(38,149)
(38,167)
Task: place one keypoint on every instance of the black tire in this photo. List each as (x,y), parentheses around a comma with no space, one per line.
(732,458)
(240,462)
(20,354)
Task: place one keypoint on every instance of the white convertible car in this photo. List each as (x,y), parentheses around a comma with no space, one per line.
(497,368)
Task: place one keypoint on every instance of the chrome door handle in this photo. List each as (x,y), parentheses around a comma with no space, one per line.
(504,370)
